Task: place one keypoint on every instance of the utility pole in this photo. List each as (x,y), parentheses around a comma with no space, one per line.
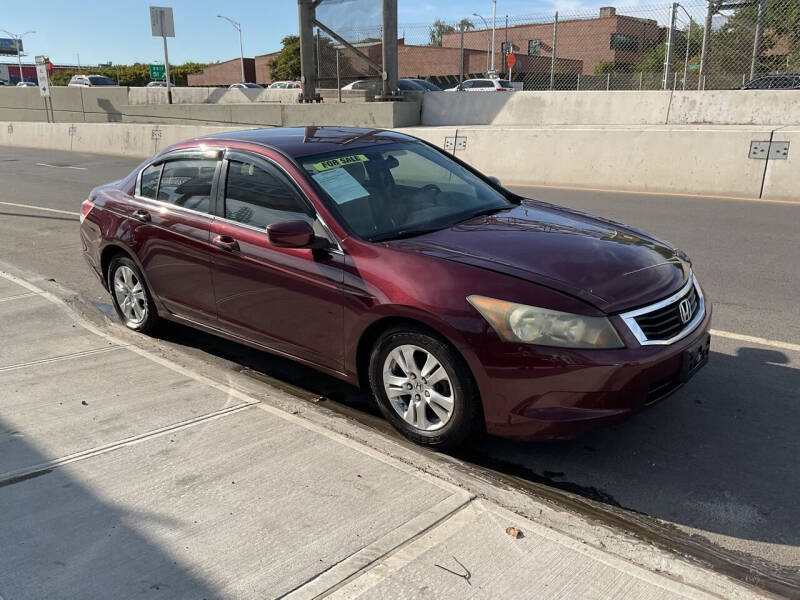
(18,44)
(488,40)
(389,47)
(711,9)
(494,19)
(461,59)
(238,27)
(307,16)
(673,12)
(754,63)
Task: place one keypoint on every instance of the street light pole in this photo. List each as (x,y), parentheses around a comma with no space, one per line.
(488,41)
(238,27)
(18,39)
(494,14)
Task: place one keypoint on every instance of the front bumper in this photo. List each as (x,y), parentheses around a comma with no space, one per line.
(548,393)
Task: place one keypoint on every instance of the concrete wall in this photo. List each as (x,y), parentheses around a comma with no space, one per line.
(204,106)
(732,107)
(679,159)
(709,160)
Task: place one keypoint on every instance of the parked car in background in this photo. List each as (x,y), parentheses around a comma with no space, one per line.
(90,81)
(431,87)
(374,85)
(483,85)
(386,262)
(27,84)
(159,83)
(281,85)
(245,86)
(787,81)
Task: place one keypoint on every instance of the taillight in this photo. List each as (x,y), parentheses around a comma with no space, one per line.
(86,207)
(501,89)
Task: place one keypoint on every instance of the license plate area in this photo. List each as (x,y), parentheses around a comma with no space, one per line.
(695,358)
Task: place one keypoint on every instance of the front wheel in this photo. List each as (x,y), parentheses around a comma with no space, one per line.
(424,388)
(130,295)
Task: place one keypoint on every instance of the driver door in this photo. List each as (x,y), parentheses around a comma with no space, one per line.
(287,299)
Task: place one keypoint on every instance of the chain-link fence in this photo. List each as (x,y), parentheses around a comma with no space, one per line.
(714,44)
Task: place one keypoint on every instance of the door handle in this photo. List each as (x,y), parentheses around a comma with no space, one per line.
(141,215)
(225,242)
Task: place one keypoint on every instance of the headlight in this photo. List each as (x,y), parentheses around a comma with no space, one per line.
(533,325)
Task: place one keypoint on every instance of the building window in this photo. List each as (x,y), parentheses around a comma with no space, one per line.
(624,43)
(534,47)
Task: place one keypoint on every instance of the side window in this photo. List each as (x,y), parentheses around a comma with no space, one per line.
(148,184)
(482,84)
(258,197)
(187,183)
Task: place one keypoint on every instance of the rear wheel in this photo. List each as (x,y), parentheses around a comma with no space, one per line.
(424,388)
(130,295)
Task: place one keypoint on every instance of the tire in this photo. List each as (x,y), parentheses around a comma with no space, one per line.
(130,296)
(441,408)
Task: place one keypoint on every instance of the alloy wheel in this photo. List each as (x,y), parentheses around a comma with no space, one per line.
(130,295)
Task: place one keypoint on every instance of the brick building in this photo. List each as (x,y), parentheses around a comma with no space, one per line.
(608,38)
(224,73)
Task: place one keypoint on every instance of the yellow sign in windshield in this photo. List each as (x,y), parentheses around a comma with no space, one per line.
(335,163)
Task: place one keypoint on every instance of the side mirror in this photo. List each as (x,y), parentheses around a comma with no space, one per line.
(495,180)
(290,234)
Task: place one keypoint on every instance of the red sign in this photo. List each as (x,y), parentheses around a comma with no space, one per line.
(511,60)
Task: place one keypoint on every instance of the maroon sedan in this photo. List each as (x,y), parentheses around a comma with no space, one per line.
(386,262)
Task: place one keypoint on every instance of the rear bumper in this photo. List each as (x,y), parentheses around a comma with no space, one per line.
(561,394)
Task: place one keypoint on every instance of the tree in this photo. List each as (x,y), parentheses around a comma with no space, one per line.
(605,66)
(135,75)
(286,66)
(439,28)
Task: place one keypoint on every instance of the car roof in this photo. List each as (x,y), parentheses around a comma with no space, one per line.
(298,142)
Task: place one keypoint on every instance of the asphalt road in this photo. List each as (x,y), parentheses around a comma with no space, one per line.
(719,458)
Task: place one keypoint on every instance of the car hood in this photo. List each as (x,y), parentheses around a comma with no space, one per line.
(609,265)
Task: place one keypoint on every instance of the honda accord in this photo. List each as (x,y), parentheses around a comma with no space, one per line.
(385,261)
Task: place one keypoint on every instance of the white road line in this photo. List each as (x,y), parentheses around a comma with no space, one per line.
(756,340)
(17,297)
(60,167)
(31,206)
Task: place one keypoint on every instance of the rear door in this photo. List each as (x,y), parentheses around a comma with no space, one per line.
(173,203)
(288,299)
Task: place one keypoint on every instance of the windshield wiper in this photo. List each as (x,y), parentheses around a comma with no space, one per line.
(404,233)
(486,212)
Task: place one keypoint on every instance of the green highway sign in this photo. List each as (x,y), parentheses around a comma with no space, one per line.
(157,72)
(693,67)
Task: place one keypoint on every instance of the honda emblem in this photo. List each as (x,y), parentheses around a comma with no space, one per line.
(685,310)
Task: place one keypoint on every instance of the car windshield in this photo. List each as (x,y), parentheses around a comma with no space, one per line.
(101,80)
(401,190)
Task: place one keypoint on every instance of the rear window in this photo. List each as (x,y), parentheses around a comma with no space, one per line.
(101,80)
(504,83)
(148,185)
(187,183)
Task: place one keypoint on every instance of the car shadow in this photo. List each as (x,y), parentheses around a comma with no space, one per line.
(720,455)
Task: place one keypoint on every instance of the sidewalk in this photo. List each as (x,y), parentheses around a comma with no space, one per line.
(123,473)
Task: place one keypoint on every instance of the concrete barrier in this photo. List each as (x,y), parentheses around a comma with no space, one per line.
(782,177)
(719,107)
(680,159)
(677,159)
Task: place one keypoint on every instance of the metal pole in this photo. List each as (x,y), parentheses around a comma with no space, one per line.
(641,79)
(338,76)
(670,45)
(754,63)
(508,50)
(488,40)
(675,83)
(241,52)
(319,71)
(578,88)
(686,59)
(166,71)
(701,76)
(494,15)
(389,46)
(461,59)
(19,59)
(307,14)
(553,57)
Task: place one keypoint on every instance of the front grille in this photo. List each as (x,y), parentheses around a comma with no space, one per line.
(666,322)
(660,390)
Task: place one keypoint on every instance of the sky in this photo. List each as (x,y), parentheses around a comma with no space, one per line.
(119,30)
